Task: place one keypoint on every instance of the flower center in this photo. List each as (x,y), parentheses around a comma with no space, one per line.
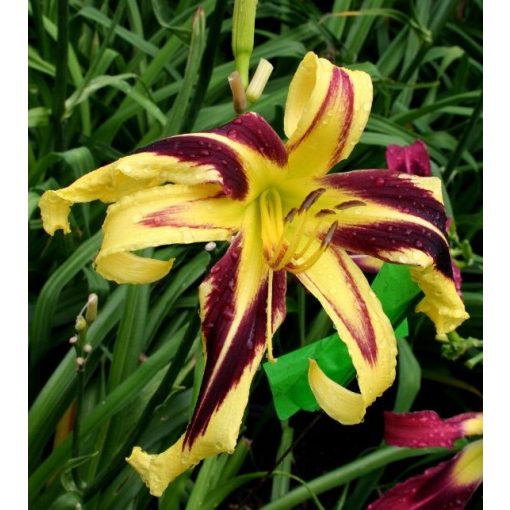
(287,243)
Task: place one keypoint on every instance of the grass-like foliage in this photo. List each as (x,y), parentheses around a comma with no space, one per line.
(108,77)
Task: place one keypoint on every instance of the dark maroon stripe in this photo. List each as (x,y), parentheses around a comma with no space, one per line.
(252,130)
(366,341)
(249,338)
(388,188)
(374,238)
(330,96)
(169,216)
(199,150)
(348,95)
(412,159)
(423,429)
(435,489)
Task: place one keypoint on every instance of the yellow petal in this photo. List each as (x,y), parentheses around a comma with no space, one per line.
(468,468)
(243,157)
(234,314)
(159,216)
(345,294)
(398,218)
(326,112)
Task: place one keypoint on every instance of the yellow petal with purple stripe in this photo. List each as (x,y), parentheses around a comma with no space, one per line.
(326,112)
(398,218)
(171,214)
(234,312)
(243,157)
(345,294)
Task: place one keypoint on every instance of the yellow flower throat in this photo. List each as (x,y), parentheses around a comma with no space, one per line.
(287,240)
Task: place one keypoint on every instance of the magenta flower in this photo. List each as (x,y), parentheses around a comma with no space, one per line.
(448,485)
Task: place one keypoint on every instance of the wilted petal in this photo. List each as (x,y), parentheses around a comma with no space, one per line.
(327,109)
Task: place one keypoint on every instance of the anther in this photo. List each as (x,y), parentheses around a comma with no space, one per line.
(290,215)
(310,199)
(349,204)
(329,234)
(324,212)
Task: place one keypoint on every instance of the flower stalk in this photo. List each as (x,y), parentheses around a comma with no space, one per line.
(82,350)
(243,34)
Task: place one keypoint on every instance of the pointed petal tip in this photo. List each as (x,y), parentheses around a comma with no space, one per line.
(125,267)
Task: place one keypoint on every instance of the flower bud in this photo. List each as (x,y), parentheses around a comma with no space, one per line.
(91,311)
(259,80)
(243,33)
(80,324)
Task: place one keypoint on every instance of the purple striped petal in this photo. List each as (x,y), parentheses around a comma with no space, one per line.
(435,489)
(234,335)
(232,152)
(424,429)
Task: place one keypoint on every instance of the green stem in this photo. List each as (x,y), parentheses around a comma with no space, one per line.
(360,467)
(75,448)
(301,315)
(117,463)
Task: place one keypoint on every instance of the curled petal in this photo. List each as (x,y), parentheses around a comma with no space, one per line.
(412,159)
(158,216)
(327,109)
(234,312)
(242,157)
(398,218)
(366,263)
(423,429)
(343,291)
(447,486)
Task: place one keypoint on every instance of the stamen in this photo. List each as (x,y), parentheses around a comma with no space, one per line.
(271,218)
(324,212)
(269,318)
(291,248)
(320,250)
(348,204)
(310,199)
(290,215)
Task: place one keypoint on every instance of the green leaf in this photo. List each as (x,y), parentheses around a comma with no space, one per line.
(409,377)
(48,298)
(288,377)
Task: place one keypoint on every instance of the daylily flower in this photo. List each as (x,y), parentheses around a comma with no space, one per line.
(274,202)
(448,485)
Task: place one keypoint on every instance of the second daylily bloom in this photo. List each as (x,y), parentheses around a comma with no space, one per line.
(448,485)
(274,202)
